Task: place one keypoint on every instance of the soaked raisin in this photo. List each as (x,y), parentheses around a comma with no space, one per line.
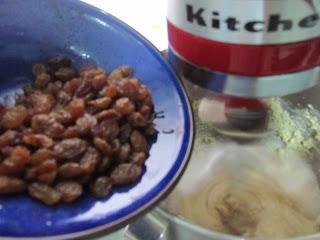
(71,132)
(9,185)
(109,114)
(38,140)
(76,108)
(103,146)
(41,103)
(69,149)
(136,119)
(101,103)
(70,170)
(120,72)
(101,187)
(125,173)
(109,129)
(124,106)
(59,62)
(90,160)
(47,178)
(138,142)
(38,69)
(73,129)
(69,190)
(86,123)
(9,137)
(138,158)
(123,155)
(44,193)
(46,124)
(65,74)
(83,89)
(42,80)
(40,156)
(14,117)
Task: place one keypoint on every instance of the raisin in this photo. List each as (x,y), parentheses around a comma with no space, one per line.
(20,156)
(49,165)
(90,160)
(138,142)
(71,86)
(10,185)
(7,150)
(62,116)
(116,145)
(145,111)
(59,62)
(99,81)
(109,91)
(65,74)
(42,80)
(84,71)
(103,146)
(30,174)
(143,93)
(101,103)
(138,158)
(70,170)
(90,72)
(83,89)
(150,130)
(9,168)
(9,138)
(40,156)
(63,98)
(44,193)
(14,117)
(46,124)
(109,129)
(125,173)
(129,88)
(124,106)
(109,114)
(136,119)
(69,190)
(69,149)
(101,187)
(86,123)
(47,178)
(38,69)
(105,164)
(41,103)
(125,132)
(120,72)
(38,140)
(71,132)
(123,155)
(76,108)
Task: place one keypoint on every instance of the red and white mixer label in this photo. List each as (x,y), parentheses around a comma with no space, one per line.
(254,22)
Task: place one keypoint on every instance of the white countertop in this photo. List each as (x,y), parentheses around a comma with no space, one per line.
(146,16)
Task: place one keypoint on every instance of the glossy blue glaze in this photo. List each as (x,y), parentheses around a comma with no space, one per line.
(34,30)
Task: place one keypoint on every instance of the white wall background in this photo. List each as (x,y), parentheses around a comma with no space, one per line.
(146,16)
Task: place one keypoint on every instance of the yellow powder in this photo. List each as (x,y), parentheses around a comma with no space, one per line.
(298,129)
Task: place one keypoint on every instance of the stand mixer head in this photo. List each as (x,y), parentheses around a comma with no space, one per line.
(246,48)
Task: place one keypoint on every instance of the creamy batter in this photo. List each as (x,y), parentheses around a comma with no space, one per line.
(249,192)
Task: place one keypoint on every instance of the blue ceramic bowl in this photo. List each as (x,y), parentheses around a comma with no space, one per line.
(33,31)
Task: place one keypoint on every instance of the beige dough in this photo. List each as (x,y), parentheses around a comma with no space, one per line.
(249,192)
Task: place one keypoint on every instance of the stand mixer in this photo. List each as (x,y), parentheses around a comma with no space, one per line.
(234,57)
(245,51)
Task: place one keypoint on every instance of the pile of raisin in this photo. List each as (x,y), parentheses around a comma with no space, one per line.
(73,131)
